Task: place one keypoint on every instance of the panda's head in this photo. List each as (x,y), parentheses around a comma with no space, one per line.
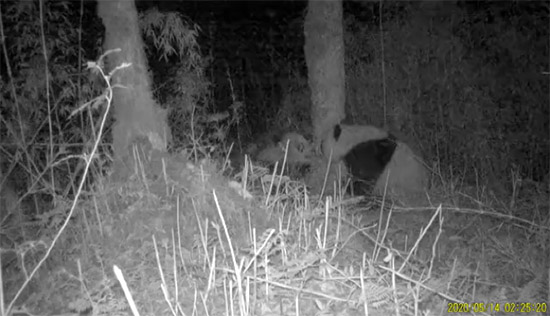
(299,149)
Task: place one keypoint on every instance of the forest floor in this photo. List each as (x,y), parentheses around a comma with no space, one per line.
(186,239)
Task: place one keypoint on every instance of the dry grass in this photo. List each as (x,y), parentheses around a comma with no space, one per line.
(178,238)
(191,242)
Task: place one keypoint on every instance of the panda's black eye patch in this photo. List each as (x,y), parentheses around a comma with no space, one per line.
(337,132)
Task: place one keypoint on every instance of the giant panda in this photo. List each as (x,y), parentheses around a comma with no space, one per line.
(373,157)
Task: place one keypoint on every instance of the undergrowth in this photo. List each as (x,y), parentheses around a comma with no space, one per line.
(193,242)
(180,238)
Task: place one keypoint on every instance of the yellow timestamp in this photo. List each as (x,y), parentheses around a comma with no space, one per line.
(496,307)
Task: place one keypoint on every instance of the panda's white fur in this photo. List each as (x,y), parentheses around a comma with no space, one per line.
(405,174)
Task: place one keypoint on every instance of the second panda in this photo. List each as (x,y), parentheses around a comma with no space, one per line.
(376,160)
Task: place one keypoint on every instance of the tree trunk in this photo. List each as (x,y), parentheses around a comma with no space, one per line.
(324,50)
(138,117)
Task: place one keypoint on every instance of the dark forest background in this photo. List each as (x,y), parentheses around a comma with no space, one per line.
(466,83)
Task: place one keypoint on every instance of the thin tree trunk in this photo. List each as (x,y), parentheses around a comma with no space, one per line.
(138,117)
(324,50)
